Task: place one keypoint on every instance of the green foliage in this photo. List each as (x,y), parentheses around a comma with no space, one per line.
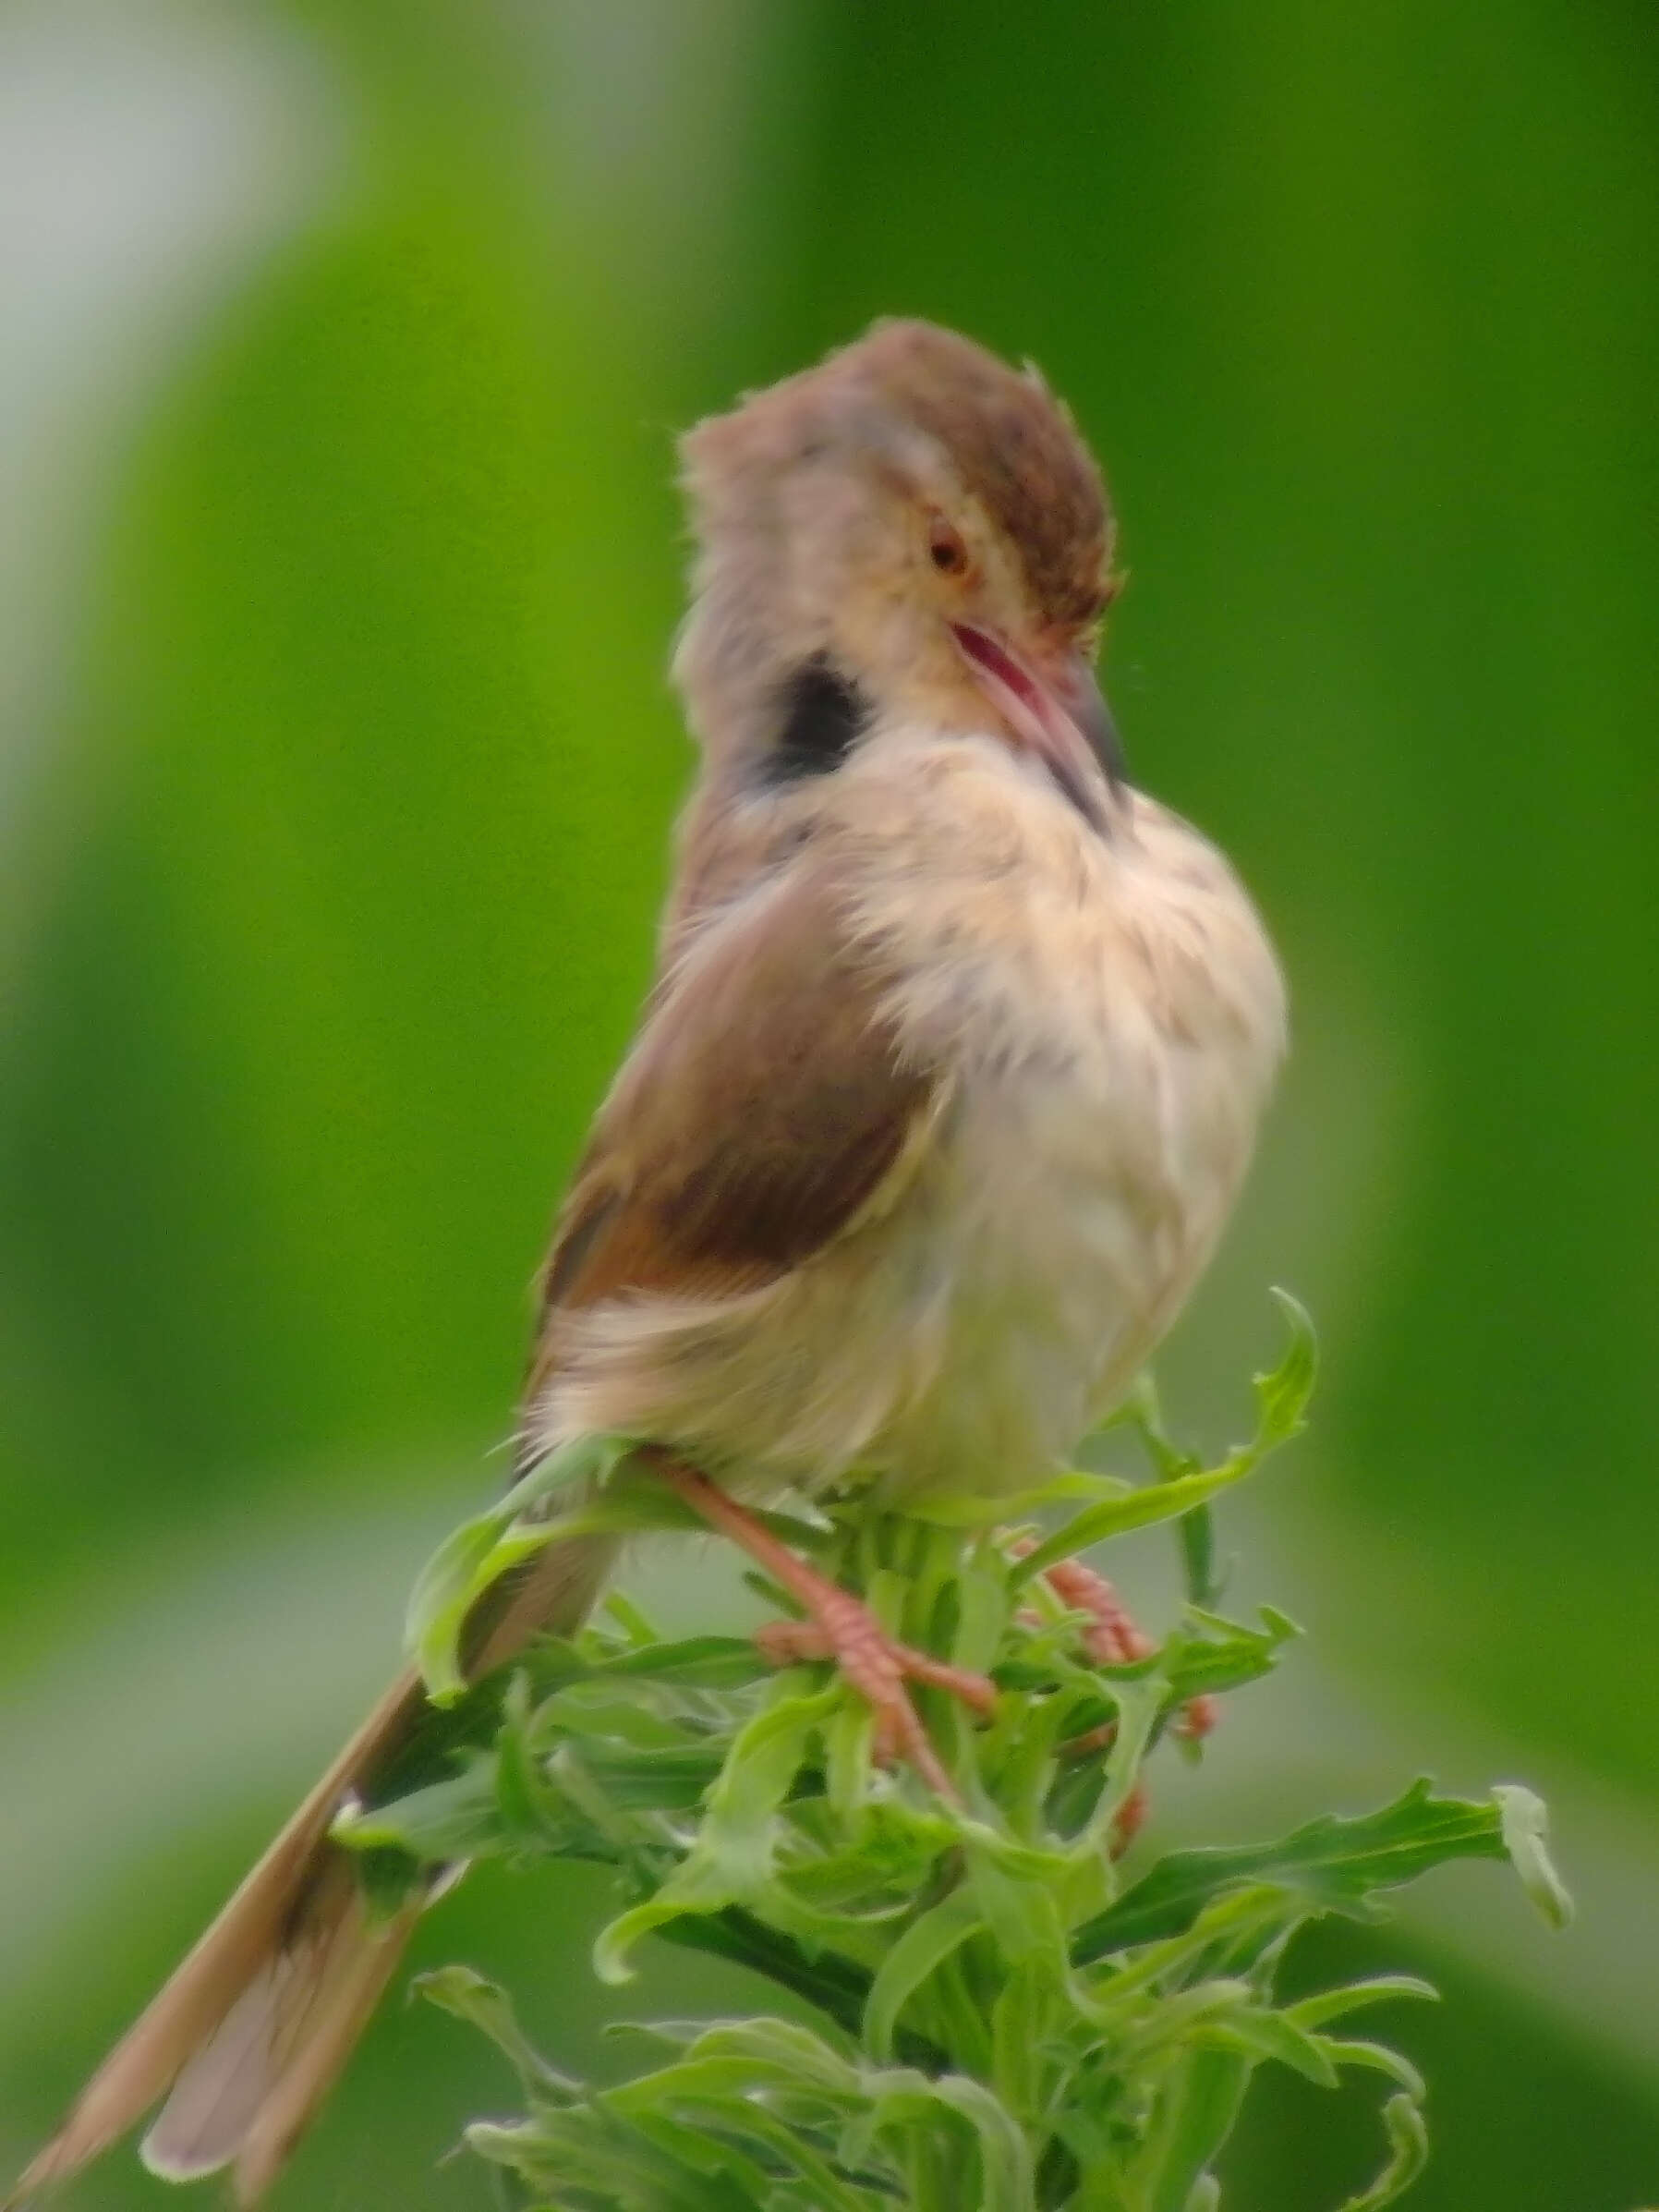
(997,2019)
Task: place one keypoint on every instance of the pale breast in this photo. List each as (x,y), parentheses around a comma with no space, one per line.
(1117,1014)
(1104,1016)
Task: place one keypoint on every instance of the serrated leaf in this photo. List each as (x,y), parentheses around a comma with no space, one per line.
(1223,1655)
(731,1862)
(976,2020)
(1329,1864)
(1281,1398)
(1140,1508)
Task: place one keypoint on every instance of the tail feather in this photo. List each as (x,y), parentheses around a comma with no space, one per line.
(256,2023)
(246,2095)
(354,1991)
(237,1949)
(217,2096)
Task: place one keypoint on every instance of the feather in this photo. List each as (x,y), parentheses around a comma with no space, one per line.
(237,1949)
(761,1112)
(255,2025)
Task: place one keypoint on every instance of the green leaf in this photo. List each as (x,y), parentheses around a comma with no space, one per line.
(1195,1529)
(902,2098)
(1143,1412)
(837,1986)
(1001,2028)
(1377,2059)
(457,1819)
(468,1996)
(1019,1907)
(924,1943)
(1382,1988)
(1281,1398)
(1212,1654)
(1260,2033)
(1408,2155)
(1330,1864)
(708,1662)
(1067,1488)
(1118,1514)
(481,1550)
(798,2052)
(1195,2115)
(730,1863)
(1140,1704)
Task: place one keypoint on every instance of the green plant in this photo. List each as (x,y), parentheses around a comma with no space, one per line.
(1000,2018)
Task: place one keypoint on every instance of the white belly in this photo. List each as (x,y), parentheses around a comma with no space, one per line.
(1049,1251)
(1118,1037)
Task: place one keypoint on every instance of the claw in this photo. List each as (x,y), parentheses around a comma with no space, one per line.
(839,1627)
(1114,1639)
(878,1667)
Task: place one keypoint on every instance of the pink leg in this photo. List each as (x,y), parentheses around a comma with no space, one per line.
(839,1627)
(1197,1716)
(1132,1813)
(1115,1639)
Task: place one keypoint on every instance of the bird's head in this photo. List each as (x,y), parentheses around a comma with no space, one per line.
(916,532)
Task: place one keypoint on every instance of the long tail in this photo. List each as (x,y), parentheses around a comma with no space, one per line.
(256,2023)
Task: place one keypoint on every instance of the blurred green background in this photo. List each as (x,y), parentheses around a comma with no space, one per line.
(340,352)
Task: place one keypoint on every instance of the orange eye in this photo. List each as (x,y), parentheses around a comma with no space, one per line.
(945,548)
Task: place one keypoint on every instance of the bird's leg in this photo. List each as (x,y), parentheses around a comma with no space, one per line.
(839,1627)
(1114,1639)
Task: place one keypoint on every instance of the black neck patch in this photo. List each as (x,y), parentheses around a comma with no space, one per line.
(821,716)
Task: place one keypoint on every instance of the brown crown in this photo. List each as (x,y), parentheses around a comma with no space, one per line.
(1015,447)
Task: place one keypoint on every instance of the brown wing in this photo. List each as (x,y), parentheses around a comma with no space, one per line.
(764,1107)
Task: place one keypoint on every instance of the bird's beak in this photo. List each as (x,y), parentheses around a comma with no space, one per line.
(1053,704)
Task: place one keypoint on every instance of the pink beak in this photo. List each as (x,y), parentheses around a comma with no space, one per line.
(1061,715)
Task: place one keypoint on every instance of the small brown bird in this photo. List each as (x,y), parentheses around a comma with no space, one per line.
(945,1089)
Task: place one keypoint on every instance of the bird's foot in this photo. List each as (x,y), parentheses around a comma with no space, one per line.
(1114,1639)
(838,1627)
(878,1666)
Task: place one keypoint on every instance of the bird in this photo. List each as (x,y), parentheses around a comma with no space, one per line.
(944,1090)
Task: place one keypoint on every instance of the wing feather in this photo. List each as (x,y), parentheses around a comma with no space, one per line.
(765,1109)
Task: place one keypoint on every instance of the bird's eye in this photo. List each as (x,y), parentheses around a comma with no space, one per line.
(945,548)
